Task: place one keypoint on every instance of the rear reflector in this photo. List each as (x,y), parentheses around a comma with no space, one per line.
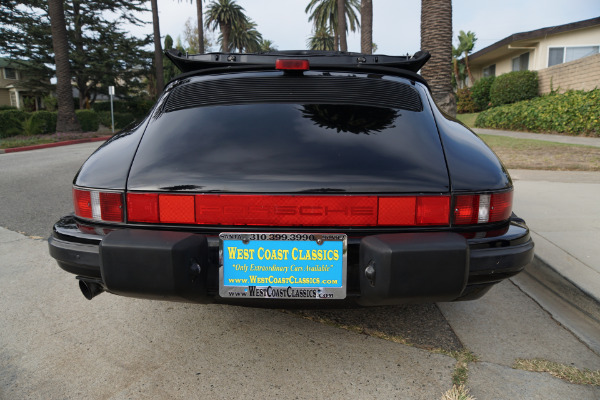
(98,205)
(482,208)
(142,207)
(286,210)
(292,65)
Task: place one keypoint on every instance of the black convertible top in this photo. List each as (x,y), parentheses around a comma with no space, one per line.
(320,59)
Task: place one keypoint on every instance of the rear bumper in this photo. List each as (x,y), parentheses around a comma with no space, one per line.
(383,269)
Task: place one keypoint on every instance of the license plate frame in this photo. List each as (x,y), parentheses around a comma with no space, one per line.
(290,272)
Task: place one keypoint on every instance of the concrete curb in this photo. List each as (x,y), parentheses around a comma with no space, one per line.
(57,144)
(564,300)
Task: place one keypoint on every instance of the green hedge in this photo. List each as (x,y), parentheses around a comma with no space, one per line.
(480,92)
(574,113)
(464,101)
(513,87)
(121,119)
(138,107)
(88,119)
(47,121)
(11,122)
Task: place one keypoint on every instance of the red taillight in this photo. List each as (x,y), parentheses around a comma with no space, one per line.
(176,209)
(111,207)
(292,65)
(142,207)
(433,210)
(501,206)
(397,210)
(82,201)
(286,210)
(98,205)
(482,208)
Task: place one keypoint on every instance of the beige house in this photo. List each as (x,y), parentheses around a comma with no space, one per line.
(565,56)
(12,92)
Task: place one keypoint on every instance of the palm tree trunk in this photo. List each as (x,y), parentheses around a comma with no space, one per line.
(225,31)
(341,9)
(66,120)
(456,74)
(158,56)
(200,27)
(436,37)
(366,26)
(471,80)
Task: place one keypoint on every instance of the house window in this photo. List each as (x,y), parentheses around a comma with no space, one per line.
(521,63)
(10,73)
(489,71)
(559,55)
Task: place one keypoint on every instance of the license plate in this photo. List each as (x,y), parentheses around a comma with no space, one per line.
(283,265)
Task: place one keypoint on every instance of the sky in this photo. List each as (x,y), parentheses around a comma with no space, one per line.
(396,23)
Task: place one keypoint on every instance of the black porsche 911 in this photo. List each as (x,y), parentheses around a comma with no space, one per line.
(298,178)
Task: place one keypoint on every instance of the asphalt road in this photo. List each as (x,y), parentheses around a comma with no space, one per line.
(56,344)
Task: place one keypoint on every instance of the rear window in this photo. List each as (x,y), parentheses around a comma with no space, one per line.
(319,88)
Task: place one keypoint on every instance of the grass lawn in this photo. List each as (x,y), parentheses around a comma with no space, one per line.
(467,119)
(539,154)
(23,140)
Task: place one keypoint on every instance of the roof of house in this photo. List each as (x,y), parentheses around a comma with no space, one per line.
(4,62)
(538,33)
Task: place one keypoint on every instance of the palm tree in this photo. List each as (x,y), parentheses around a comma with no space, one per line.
(225,15)
(66,120)
(456,52)
(267,45)
(200,25)
(158,54)
(324,14)
(245,38)
(341,6)
(321,40)
(467,42)
(436,37)
(366,26)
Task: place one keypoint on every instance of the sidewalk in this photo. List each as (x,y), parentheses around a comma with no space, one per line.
(547,137)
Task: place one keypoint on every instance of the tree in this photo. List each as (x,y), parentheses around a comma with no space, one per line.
(457,52)
(66,120)
(158,53)
(225,15)
(267,45)
(244,38)
(467,42)
(200,25)
(190,38)
(321,40)
(199,39)
(436,37)
(341,28)
(324,14)
(366,26)
(100,53)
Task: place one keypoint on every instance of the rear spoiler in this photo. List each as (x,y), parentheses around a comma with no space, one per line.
(318,59)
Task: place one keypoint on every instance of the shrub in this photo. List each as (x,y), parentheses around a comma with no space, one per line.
(51,103)
(480,92)
(10,122)
(88,119)
(139,107)
(32,126)
(47,121)
(121,119)
(574,113)
(514,86)
(464,102)
(5,107)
